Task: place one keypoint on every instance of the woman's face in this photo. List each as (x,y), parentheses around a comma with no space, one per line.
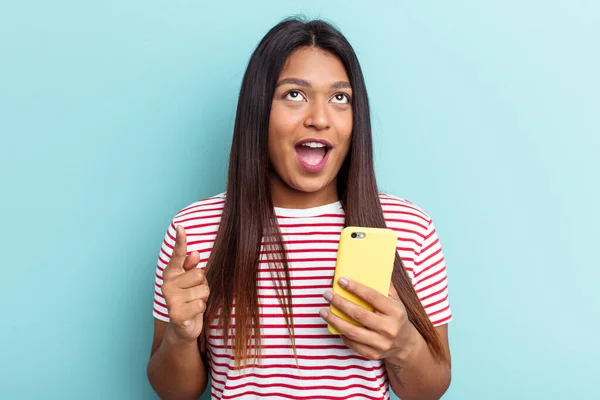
(311,123)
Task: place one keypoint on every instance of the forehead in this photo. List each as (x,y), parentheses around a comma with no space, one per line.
(315,65)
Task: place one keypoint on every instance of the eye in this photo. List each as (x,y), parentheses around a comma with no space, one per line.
(341,98)
(294,95)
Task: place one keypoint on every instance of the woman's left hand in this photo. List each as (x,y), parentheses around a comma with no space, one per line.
(386,333)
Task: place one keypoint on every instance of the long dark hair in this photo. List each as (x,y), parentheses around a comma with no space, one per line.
(248,217)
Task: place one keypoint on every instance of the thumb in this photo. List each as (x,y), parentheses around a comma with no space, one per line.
(191,261)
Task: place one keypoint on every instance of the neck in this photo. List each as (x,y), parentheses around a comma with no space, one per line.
(284,196)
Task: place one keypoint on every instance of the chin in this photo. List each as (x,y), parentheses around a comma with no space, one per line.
(309,185)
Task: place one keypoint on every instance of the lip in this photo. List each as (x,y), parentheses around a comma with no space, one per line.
(322,141)
(314,169)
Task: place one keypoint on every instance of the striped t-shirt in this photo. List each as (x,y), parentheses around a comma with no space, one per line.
(326,368)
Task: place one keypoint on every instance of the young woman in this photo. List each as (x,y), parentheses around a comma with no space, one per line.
(301,168)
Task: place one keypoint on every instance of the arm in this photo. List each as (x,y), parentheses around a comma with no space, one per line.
(418,375)
(175,370)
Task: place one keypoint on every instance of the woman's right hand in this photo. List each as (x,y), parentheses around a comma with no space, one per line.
(185,290)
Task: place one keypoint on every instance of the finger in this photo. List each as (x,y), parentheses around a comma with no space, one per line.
(379,301)
(192,278)
(193,309)
(363,349)
(195,293)
(356,333)
(188,311)
(361,315)
(180,249)
(191,261)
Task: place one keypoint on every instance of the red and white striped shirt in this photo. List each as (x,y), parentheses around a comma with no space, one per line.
(327,368)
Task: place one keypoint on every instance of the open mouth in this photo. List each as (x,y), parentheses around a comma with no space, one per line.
(312,154)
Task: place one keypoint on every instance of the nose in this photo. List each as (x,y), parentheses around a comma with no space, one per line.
(317,117)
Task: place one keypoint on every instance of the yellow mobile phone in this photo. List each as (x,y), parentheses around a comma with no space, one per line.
(365,255)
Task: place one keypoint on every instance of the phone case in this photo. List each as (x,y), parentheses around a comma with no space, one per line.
(368,260)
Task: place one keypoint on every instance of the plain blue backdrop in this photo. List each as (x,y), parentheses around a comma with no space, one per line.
(114,115)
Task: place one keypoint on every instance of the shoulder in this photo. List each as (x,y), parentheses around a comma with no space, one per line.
(410,222)
(396,207)
(200,212)
(201,221)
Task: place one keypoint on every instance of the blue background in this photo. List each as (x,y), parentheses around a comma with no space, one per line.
(114,115)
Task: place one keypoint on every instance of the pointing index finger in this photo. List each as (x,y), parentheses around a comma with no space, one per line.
(180,248)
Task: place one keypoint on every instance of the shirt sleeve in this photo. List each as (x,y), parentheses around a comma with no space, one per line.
(160,306)
(431,280)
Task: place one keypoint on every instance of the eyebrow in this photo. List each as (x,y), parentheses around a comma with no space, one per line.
(341,85)
(305,83)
